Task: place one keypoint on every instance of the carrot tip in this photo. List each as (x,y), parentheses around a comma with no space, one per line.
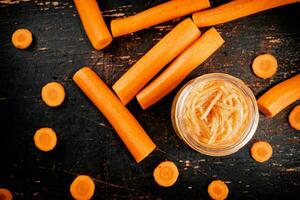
(261,151)
(45,139)
(53,94)
(83,187)
(22,38)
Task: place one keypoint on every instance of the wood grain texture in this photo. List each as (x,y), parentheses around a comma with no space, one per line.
(88,144)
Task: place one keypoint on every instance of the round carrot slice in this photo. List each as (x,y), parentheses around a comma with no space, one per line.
(45,139)
(22,38)
(264,66)
(166,174)
(294,118)
(218,190)
(5,194)
(261,151)
(53,94)
(83,187)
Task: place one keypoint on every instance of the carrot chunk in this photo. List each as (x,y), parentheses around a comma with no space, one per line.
(218,190)
(22,38)
(264,66)
(5,194)
(53,94)
(45,139)
(261,151)
(294,118)
(166,174)
(82,188)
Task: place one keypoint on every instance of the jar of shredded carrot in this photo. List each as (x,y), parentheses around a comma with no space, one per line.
(216,114)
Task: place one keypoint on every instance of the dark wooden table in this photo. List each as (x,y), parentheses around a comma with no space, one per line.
(88,144)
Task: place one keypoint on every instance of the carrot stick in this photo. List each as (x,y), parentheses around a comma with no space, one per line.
(53,94)
(93,23)
(128,128)
(218,190)
(156,15)
(280,96)
(180,68)
(234,10)
(22,38)
(83,187)
(166,174)
(261,151)
(5,194)
(264,66)
(294,118)
(178,39)
(45,139)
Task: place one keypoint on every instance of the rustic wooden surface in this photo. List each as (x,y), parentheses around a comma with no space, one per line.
(87,143)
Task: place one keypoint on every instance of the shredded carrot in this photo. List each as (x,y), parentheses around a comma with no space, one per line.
(234,10)
(53,94)
(82,188)
(178,39)
(93,23)
(5,194)
(22,38)
(45,139)
(280,96)
(261,151)
(294,118)
(180,68)
(218,190)
(133,135)
(264,66)
(156,15)
(166,174)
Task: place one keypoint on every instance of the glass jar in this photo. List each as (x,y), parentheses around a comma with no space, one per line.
(223,150)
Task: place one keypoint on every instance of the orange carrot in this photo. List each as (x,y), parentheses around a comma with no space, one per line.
(264,66)
(53,94)
(22,38)
(5,194)
(82,188)
(45,139)
(178,39)
(156,15)
(234,10)
(133,135)
(218,190)
(261,151)
(280,96)
(166,174)
(180,68)
(93,23)
(294,118)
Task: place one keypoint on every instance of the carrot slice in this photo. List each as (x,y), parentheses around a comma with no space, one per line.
(93,23)
(53,94)
(22,38)
(178,39)
(261,151)
(83,187)
(45,139)
(280,96)
(166,174)
(131,132)
(264,66)
(5,194)
(234,10)
(294,118)
(156,15)
(180,68)
(217,189)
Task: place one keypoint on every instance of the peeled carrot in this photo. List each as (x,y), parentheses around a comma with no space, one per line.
(180,68)
(82,188)
(45,139)
(22,38)
(280,96)
(93,23)
(156,15)
(218,190)
(234,10)
(5,194)
(294,118)
(133,135)
(178,39)
(53,94)
(166,174)
(264,66)
(261,151)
